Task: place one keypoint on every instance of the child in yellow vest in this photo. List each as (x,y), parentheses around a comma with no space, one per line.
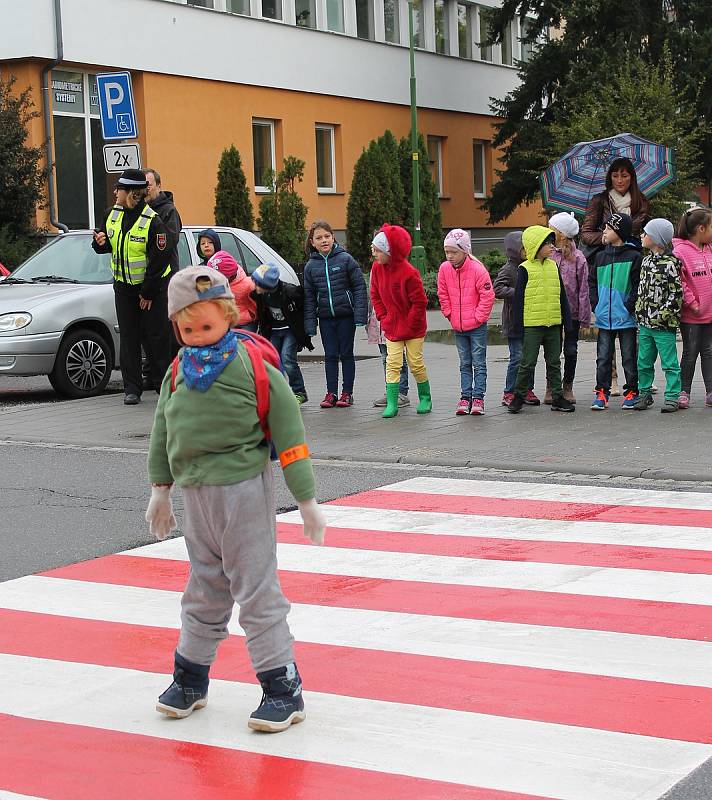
(540,310)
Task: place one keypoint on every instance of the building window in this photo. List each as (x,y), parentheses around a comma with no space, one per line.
(263,152)
(239,7)
(435,157)
(479,164)
(391,20)
(364,19)
(84,188)
(442,34)
(418,26)
(305,13)
(525,27)
(464,31)
(272,9)
(201,3)
(485,17)
(507,46)
(335,15)
(325,159)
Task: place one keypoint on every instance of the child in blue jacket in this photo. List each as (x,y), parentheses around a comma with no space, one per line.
(335,297)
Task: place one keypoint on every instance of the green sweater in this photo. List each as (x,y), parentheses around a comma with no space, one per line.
(214,438)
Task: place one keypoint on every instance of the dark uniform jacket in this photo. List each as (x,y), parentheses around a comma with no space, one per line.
(166,210)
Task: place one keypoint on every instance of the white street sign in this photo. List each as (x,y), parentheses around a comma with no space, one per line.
(118,157)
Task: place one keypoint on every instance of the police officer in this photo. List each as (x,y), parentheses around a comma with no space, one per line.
(140,260)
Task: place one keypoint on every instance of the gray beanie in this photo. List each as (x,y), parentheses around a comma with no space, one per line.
(660,231)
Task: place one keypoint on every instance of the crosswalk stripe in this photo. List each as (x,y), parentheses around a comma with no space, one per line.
(677,661)
(673,620)
(353,732)
(569,698)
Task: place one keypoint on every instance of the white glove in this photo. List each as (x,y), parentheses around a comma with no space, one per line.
(159,513)
(313,519)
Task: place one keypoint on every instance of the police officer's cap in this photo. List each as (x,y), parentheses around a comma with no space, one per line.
(132,179)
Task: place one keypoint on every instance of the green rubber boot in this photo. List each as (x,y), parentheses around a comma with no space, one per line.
(425,406)
(391,409)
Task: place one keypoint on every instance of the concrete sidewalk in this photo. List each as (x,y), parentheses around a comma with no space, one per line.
(614,442)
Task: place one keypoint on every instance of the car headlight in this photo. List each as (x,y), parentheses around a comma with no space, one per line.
(13,322)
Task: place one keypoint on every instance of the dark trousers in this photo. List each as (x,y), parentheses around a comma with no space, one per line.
(286,346)
(136,328)
(548,337)
(605,343)
(337,337)
(571,351)
(696,341)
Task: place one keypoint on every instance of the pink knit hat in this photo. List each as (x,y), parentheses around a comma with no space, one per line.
(460,239)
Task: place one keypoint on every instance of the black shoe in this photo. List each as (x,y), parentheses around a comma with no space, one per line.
(643,402)
(131,399)
(560,403)
(188,692)
(516,405)
(282,703)
(148,384)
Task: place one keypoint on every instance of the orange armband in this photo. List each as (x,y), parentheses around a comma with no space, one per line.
(297,453)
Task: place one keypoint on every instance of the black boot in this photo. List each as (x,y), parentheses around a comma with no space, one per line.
(189,690)
(282,703)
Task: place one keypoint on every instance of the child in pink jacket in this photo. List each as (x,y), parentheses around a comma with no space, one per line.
(466,299)
(241,287)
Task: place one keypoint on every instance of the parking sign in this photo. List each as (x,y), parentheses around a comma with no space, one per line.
(116,106)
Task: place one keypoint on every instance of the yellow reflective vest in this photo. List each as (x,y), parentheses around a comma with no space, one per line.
(128,250)
(542,295)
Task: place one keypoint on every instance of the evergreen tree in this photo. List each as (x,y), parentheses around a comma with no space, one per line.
(21,176)
(594,41)
(232,198)
(431,226)
(283,214)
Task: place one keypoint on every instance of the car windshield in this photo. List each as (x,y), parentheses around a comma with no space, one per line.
(67,258)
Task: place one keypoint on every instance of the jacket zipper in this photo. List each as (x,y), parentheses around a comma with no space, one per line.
(459,290)
(122,262)
(328,284)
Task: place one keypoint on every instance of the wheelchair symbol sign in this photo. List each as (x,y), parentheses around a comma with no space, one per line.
(116,105)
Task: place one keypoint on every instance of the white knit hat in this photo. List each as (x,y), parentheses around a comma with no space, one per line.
(380,241)
(566,223)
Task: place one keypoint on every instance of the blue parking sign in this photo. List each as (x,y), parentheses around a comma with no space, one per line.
(116,105)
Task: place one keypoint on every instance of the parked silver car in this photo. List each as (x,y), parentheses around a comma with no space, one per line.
(57,315)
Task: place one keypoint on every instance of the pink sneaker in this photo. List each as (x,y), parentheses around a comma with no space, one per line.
(463,407)
(708,400)
(507,398)
(530,399)
(683,401)
(478,407)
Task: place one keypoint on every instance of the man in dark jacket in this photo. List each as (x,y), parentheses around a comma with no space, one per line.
(280,318)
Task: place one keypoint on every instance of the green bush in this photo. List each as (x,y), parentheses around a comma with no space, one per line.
(16,248)
(283,214)
(232,198)
(494,260)
(430,284)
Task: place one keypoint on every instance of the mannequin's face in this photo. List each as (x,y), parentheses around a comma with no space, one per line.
(207,324)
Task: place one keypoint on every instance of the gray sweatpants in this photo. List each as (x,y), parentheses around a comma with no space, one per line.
(231,540)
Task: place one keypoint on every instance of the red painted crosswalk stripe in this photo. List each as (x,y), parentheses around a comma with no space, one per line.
(672,620)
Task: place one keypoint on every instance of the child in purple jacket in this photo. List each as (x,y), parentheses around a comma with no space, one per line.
(573,269)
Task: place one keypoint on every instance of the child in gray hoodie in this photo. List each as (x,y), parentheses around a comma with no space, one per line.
(504,286)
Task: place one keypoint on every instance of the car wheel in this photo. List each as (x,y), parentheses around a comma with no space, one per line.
(83,365)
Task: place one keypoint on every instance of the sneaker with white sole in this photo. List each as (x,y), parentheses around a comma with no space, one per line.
(478,407)
(463,407)
(683,401)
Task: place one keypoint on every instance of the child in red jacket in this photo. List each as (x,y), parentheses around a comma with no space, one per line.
(466,299)
(399,301)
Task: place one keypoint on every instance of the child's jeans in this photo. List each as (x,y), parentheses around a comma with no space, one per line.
(652,342)
(286,346)
(548,336)
(414,354)
(515,356)
(696,340)
(337,336)
(605,343)
(403,385)
(231,542)
(472,351)
(571,351)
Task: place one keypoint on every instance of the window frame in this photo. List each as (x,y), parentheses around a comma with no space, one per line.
(480,195)
(469,28)
(438,141)
(444,28)
(269,124)
(324,126)
(396,18)
(482,48)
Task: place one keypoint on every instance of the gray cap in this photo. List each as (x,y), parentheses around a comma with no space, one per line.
(660,231)
(183,291)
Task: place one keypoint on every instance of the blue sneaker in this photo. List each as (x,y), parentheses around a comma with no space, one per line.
(282,703)
(600,402)
(188,692)
(630,398)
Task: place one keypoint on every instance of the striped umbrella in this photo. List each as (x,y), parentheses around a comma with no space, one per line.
(569,184)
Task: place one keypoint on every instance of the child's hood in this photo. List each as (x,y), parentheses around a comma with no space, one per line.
(214,238)
(513,246)
(533,238)
(400,242)
(685,249)
(224,263)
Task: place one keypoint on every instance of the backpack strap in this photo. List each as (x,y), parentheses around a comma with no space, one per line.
(174,373)
(261,385)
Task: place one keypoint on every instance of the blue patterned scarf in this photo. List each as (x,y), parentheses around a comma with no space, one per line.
(202,365)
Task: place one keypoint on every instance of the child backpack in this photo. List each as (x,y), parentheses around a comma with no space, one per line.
(259,350)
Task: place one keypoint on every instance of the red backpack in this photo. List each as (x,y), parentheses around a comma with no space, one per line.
(259,350)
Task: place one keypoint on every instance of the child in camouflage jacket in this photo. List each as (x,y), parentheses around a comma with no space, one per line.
(657,311)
